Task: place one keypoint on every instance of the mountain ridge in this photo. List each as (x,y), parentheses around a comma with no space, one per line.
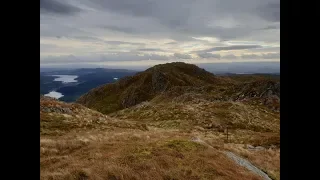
(131,90)
(175,78)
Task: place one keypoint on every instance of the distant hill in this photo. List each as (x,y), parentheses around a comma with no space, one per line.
(145,85)
(161,81)
(242,67)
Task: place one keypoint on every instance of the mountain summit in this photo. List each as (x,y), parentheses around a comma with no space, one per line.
(145,85)
(181,80)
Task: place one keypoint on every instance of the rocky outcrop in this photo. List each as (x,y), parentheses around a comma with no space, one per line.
(159,81)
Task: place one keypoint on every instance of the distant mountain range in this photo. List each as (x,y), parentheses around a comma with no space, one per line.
(216,68)
(242,67)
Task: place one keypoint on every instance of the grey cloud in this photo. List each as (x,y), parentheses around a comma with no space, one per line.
(134,7)
(171,43)
(234,47)
(46,47)
(95,39)
(179,19)
(183,18)
(157,57)
(102,58)
(57,7)
(151,20)
(209,55)
(170,13)
(119,29)
(86,38)
(122,42)
(271,27)
(270,11)
(182,56)
(54,30)
(150,49)
(181,38)
(267,9)
(270,55)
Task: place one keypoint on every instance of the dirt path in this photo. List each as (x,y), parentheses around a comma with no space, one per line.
(247,164)
(239,160)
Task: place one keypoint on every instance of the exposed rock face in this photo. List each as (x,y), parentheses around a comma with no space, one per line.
(56,110)
(260,89)
(264,92)
(51,105)
(130,99)
(159,81)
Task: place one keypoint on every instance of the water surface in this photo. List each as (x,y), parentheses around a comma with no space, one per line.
(66,78)
(54,94)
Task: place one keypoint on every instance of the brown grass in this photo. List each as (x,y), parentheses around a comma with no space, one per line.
(211,116)
(133,154)
(58,118)
(152,140)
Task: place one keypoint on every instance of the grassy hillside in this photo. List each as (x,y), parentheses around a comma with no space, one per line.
(79,143)
(146,85)
(151,123)
(58,118)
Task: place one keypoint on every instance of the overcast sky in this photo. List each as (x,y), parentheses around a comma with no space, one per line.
(147,32)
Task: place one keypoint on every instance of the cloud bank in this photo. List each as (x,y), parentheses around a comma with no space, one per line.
(141,31)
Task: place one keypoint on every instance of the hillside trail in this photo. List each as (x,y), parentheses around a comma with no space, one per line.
(239,160)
